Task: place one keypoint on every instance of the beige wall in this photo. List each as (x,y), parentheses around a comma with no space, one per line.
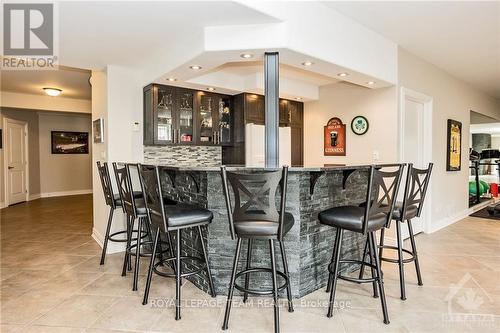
(452,99)
(60,172)
(346,101)
(31,117)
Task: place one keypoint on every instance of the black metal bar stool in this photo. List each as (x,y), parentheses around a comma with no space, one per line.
(417,181)
(258,218)
(380,198)
(173,218)
(135,209)
(113,201)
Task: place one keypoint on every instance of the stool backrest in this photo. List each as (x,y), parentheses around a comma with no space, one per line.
(417,181)
(382,190)
(153,197)
(125,189)
(107,188)
(255,196)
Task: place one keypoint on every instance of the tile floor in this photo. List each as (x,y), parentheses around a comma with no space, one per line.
(51,281)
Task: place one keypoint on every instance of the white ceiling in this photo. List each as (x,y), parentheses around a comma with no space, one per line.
(73,82)
(129,33)
(462,38)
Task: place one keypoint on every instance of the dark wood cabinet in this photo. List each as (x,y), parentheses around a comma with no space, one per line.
(254,109)
(250,108)
(180,116)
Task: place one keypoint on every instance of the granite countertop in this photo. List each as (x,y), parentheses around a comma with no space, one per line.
(327,167)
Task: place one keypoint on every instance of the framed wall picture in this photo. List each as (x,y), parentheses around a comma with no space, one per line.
(334,138)
(98,130)
(359,125)
(64,142)
(454,146)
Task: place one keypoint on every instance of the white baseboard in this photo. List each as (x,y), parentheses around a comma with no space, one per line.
(113,247)
(64,193)
(443,223)
(2,205)
(34,196)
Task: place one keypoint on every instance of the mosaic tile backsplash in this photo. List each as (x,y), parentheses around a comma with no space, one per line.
(183,155)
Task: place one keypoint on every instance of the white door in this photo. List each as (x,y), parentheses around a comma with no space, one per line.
(413,146)
(16,161)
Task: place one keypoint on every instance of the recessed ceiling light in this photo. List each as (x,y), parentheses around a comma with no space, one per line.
(343,74)
(246,55)
(298,98)
(307,63)
(370,83)
(210,88)
(195,67)
(52,91)
(171,79)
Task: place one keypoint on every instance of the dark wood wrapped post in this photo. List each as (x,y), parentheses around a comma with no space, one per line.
(271,77)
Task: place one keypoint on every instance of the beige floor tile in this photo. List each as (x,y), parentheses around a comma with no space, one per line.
(51,329)
(128,313)
(30,306)
(77,311)
(114,285)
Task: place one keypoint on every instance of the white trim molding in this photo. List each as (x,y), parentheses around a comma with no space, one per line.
(64,193)
(35,196)
(113,247)
(427,101)
(447,221)
(2,205)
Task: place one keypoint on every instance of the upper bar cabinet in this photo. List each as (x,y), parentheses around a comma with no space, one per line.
(180,116)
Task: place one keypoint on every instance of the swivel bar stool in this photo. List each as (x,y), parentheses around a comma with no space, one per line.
(258,218)
(172,218)
(380,194)
(417,181)
(135,210)
(113,201)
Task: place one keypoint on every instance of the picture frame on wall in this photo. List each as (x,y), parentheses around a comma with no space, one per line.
(98,130)
(65,142)
(454,146)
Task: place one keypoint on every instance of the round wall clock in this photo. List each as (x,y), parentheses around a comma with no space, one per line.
(359,125)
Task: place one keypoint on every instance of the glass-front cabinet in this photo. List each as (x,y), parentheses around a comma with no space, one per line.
(164,115)
(180,116)
(185,117)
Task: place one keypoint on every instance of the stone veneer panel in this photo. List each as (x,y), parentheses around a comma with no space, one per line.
(183,155)
(308,244)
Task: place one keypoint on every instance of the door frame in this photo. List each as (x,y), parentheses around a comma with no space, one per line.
(427,101)
(5,154)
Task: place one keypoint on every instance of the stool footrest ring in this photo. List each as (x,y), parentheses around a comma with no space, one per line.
(396,261)
(260,291)
(199,260)
(142,254)
(123,240)
(352,279)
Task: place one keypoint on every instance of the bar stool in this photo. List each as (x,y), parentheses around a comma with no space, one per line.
(172,218)
(135,210)
(113,201)
(380,194)
(417,181)
(258,218)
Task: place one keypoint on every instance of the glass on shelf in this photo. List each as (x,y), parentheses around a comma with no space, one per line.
(224,121)
(186,118)
(164,117)
(206,119)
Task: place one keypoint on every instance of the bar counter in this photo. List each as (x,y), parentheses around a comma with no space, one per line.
(308,245)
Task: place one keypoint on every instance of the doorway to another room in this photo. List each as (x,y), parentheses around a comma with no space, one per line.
(484,156)
(16,161)
(416,143)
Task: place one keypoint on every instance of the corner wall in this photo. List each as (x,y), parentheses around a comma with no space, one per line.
(346,101)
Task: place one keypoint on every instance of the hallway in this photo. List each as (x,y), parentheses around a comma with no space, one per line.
(51,281)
